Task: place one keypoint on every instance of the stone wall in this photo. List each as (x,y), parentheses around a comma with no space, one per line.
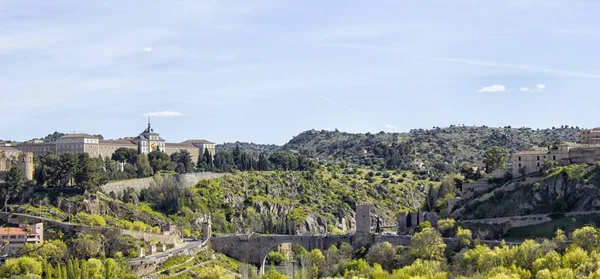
(470,190)
(186,180)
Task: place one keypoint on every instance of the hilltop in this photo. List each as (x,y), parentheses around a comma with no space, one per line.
(441,150)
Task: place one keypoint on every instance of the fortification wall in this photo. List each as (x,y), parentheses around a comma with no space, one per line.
(186,180)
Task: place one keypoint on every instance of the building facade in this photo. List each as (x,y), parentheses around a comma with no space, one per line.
(13,239)
(144,143)
(586,151)
(590,136)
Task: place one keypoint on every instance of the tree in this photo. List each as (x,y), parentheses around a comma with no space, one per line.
(275,257)
(383,254)
(143,166)
(95,268)
(182,161)
(465,237)
(86,246)
(495,158)
(446,226)
(23,266)
(68,168)
(125,155)
(428,245)
(14,184)
(88,173)
(159,161)
(587,238)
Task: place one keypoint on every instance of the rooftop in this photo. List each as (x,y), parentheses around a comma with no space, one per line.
(15,231)
(72,136)
(198,141)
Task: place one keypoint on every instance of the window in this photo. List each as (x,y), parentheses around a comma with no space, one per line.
(538,164)
(519,165)
(544,157)
(538,158)
(554,157)
(519,158)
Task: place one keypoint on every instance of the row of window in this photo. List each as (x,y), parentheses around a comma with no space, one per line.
(538,158)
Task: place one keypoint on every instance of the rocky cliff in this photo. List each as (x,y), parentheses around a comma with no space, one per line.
(572,188)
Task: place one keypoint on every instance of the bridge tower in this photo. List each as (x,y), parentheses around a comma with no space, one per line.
(363,218)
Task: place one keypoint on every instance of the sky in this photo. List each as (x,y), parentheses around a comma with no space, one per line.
(265,70)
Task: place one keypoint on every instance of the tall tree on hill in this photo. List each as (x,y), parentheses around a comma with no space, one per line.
(495,158)
(88,174)
(263,163)
(125,155)
(205,161)
(68,168)
(143,166)
(224,161)
(236,155)
(159,161)
(14,184)
(182,161)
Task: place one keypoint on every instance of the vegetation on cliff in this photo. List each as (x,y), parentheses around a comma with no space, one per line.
(290,202)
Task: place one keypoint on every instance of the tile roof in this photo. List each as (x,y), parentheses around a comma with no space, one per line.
(198,141)
(117,142)
(15,231)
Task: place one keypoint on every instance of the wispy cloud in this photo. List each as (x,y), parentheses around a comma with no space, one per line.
(163,114)
(148,49)
(537,88)
(390,127)
(335,103)
(526,67)
(493,88)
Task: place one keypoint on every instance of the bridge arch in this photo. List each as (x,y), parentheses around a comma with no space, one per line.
(254,249)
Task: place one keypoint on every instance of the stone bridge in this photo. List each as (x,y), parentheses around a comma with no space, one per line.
(253,249)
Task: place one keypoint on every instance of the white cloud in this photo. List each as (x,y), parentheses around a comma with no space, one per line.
(148,49)
(163,114)
(493,88)
(390,127)
(538,88)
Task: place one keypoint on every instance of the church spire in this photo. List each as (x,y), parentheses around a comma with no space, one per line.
(149,126)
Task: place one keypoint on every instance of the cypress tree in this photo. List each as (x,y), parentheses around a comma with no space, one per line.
(48,271)
(76,269)
(64,272)
(84,269)
(58,272)
(70,273)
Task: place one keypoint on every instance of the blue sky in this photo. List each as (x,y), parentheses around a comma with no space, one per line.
(266,70)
